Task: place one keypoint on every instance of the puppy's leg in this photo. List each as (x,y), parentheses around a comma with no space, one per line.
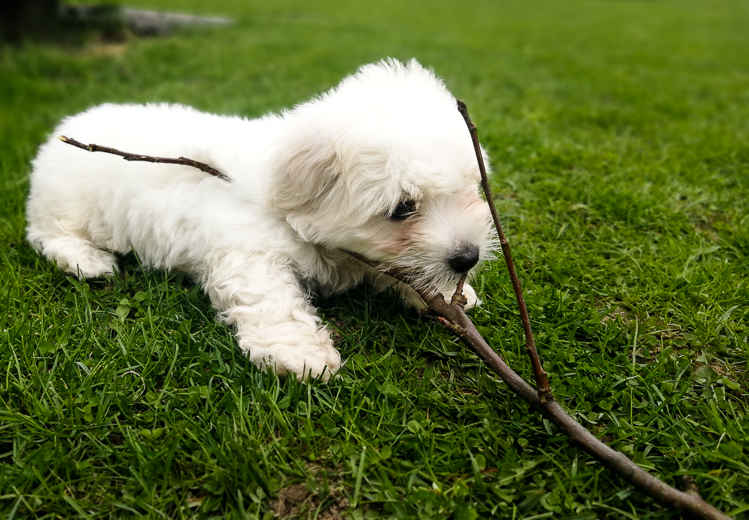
(276,326)
(411,298)
(73,254)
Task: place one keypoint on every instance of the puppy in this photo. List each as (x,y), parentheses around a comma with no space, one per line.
(381,165)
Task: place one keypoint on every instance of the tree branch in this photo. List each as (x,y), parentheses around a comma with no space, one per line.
(453,317)
(542,381)
(552,410)
(147,158)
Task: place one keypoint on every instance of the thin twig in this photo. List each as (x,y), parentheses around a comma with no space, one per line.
(147,158)
(542,381)
(459,298)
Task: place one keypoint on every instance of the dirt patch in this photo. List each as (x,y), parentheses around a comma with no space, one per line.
(335,335)
(723,370)
(104,48)
(618,312)
(298,502)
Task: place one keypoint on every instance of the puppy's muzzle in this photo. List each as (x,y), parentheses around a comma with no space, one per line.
(465,258)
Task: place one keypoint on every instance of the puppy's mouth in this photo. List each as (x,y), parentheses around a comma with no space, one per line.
(431,278)
(406,275)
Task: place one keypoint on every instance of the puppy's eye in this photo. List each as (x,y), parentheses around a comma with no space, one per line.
(403,210)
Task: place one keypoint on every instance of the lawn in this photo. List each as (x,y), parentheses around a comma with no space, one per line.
(618,133)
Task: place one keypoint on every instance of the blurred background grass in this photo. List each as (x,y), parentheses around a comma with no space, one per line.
(617,131)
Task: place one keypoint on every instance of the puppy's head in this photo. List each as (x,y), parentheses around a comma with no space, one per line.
(383,165)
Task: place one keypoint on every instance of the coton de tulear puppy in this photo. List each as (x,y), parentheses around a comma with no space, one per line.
(381,165)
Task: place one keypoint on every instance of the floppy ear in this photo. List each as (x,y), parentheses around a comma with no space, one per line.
(302,175)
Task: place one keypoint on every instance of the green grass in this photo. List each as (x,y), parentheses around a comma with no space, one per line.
(618,135)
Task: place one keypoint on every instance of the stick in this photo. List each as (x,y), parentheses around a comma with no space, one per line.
(552,410)
(542,381)
(453,317)
(147,158)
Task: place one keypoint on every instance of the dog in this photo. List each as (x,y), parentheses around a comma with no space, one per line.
(381,165)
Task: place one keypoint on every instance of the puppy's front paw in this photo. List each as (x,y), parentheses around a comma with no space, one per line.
(322,364)
(306,360)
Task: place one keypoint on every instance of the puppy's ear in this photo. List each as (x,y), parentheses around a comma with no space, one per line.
(302,175)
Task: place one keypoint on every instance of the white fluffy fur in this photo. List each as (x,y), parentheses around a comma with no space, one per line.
(305,184)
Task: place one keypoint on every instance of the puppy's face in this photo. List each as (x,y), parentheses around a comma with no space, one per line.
(384,166)
(432,222)
(436,236)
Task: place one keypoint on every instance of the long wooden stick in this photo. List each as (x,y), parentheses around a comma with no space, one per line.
(552,410)
(453,317)
(542,381)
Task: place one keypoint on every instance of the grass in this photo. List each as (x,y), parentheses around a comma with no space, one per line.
(618,135)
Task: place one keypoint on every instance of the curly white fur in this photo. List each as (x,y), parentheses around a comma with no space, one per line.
(330,174)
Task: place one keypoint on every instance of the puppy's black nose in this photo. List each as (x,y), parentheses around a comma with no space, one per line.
(464,259)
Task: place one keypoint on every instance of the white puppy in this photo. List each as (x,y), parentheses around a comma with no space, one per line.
(381,165)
